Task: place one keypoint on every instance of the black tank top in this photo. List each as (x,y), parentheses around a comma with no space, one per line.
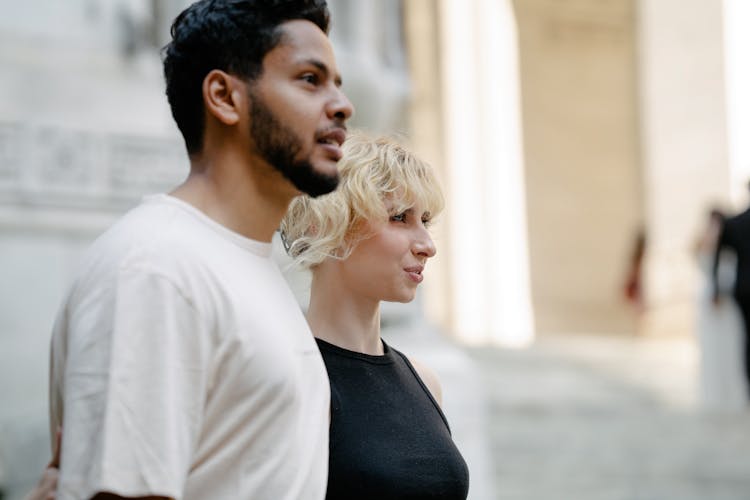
(389,439)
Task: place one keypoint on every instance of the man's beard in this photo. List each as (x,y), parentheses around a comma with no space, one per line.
(279,146)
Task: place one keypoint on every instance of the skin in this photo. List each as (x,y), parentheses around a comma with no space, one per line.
(231,180)
(345,294)
(279,145)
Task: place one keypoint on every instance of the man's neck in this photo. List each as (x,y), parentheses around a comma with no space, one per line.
(249,199)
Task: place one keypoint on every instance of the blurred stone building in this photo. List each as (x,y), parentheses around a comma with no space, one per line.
(566,130)
(561,129)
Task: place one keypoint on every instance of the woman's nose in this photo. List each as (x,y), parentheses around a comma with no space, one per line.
(423,244)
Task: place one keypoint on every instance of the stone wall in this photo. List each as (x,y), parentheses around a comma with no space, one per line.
(581,145)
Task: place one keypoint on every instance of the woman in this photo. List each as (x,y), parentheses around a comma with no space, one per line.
(365,243)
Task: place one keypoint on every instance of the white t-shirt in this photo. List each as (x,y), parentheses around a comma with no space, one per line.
(182,366)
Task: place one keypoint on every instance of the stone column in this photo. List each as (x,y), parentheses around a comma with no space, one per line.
(426,134)
(488,269)
(368,38)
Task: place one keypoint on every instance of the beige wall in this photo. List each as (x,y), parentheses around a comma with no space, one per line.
(584,186)
(685,151)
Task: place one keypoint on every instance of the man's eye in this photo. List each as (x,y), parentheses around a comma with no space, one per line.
(310,78)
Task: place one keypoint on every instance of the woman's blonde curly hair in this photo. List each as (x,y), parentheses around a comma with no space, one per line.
(372,171)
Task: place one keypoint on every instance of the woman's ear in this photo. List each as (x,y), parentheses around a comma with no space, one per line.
(223,96)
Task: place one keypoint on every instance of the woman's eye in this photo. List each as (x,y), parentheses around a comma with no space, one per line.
(310,78)
(399,217)
(426,222)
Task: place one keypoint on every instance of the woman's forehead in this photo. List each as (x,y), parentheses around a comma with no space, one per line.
(423,196)
(405,203)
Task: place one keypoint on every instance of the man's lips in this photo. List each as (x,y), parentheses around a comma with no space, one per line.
(333,136)
(331,141)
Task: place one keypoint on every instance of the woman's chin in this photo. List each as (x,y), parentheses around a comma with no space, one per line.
(403,299)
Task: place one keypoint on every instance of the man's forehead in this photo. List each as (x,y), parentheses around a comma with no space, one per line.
(302,42)
(306,38)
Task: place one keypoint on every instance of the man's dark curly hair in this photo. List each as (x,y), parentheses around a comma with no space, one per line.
(229,35)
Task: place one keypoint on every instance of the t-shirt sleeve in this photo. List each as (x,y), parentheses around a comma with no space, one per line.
(135,386)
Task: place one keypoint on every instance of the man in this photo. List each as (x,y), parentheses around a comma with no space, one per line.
(735,236)
(181,365)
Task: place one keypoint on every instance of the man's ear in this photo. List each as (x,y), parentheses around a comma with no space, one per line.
(223,96)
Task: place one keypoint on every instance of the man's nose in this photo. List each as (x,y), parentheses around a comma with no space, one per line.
(340,107)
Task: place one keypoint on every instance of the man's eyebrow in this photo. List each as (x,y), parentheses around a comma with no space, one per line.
(324,69)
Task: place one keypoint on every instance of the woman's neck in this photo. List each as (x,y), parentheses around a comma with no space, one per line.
(342,317)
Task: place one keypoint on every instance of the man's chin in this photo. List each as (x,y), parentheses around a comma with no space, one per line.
(325,186)
(315,183)
(326,167)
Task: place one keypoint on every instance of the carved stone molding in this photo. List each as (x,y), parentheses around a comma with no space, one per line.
(52,168)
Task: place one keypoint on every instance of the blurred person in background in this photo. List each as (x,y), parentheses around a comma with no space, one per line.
(181,364)
(633,288)
(719,325)
(365,243)
(735,237)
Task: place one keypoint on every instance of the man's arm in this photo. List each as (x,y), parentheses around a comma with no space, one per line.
(133,411)
(721,242)
(47,487)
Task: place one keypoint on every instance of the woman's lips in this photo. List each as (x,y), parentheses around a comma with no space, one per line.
(415,273)
(415,277)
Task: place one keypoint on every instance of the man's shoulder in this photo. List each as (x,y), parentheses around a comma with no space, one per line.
(163,224)
(169,242)
(151,235)
(146,225)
